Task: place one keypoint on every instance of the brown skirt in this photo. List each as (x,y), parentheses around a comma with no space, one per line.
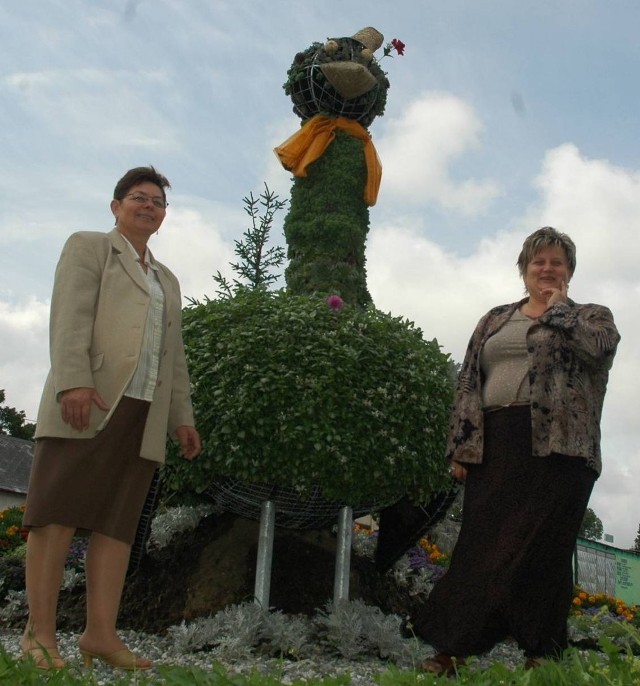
(511,569)
(96,484)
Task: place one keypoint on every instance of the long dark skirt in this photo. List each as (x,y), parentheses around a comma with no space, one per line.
(94,484)
(511,571)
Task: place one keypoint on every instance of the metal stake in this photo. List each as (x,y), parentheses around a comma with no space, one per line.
(265,554)
(343,555)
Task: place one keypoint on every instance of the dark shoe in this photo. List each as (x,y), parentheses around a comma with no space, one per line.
(446,665)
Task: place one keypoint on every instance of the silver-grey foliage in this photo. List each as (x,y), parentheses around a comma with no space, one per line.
(175,520)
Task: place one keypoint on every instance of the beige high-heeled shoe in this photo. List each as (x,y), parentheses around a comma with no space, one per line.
(120,659)
(43,658)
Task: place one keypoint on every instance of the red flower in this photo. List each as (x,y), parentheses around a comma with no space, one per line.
(398,45)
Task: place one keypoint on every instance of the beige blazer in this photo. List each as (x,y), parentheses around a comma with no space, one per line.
(98,313)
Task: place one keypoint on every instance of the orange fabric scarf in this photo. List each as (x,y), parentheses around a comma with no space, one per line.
(311,141)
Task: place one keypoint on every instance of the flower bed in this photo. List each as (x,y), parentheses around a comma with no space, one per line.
(12,533)
(602,604)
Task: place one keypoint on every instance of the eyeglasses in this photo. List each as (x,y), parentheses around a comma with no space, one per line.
(141,198)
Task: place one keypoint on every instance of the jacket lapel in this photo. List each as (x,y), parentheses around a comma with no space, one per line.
(127,259)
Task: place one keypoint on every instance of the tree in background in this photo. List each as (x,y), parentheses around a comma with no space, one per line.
(14,422)
(636,545)
(591,526)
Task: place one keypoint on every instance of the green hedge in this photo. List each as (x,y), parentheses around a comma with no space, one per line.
(291,392)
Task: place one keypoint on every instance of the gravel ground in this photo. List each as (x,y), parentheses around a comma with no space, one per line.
(162,652)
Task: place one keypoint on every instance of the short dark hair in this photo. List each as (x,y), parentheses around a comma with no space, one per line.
(139,175)
(546,237)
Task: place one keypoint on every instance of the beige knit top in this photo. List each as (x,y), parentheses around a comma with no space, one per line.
(505,364)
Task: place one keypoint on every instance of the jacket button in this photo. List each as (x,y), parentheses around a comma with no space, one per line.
(530,349)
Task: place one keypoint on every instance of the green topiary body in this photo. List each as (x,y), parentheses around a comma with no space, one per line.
(327,225)
(289,392)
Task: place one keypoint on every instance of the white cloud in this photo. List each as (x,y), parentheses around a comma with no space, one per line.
(598,204)
(24,331)
(93,106)
(445,294)
(191,243)
(420,148)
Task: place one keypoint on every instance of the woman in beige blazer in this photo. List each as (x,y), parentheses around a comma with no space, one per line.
(118,385)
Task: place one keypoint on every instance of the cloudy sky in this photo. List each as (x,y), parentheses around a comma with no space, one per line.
(502,117)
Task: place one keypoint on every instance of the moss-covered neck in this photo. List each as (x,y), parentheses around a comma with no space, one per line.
(327,225)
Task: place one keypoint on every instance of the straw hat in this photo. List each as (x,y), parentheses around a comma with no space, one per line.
(369,37)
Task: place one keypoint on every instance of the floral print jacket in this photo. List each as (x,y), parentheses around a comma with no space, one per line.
(571,349)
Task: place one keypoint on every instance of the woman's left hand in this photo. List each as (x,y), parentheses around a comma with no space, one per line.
(189,439)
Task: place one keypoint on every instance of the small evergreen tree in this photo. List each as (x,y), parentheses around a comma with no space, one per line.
(256,265)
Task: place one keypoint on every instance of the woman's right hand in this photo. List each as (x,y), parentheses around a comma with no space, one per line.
(75,406)
(458,472)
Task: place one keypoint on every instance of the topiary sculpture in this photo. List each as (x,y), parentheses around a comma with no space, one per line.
(337,89)
(310,396)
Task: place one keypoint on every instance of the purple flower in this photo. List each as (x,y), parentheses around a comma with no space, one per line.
(417,557)
(76,552)
(335,302)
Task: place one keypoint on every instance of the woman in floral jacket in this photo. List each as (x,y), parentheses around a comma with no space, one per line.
(525,438)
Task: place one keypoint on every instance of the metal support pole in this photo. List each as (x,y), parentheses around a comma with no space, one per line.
(265,553)
(343,555)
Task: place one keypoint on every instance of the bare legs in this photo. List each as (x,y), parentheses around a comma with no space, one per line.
(46,553)
(106,567)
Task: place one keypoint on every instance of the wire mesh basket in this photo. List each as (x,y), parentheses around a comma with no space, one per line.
(294,510)
(313,94)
